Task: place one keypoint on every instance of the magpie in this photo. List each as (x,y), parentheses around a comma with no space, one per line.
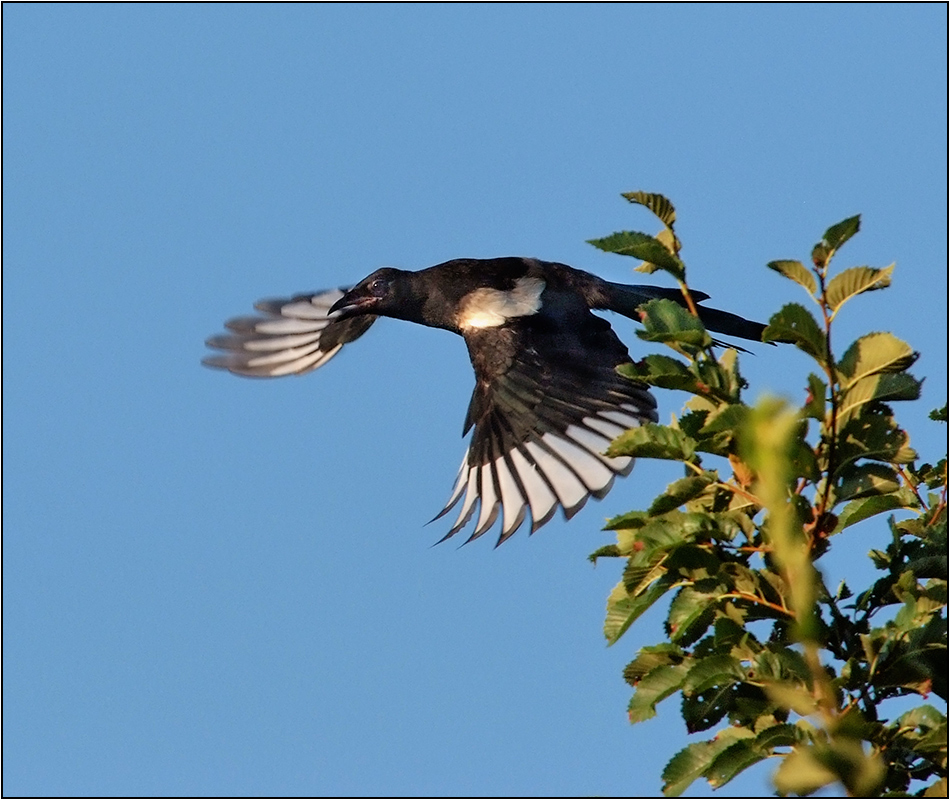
(547,400)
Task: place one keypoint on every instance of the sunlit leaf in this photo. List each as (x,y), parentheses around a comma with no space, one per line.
(694,761)
(793,697)
(796,271)
(867,479)
(716,670)
(878,388)
(859,510)
(654,441)
(855,281)
(651,657)
(656,685)
(643,246)
(874,354)
(623,610)
(691,612)
(666,321)
(681,491)
(731,761)
(657,203)
(802,774)
(840,232)
(794,324)
(873,436)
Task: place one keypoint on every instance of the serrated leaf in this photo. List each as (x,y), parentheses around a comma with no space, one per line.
(875,354)
(840,232)
(623,610)
(878,388)
(661,371)
(654,441)
(874,436)
(688,765)
(651,657)
(855,281)
(691,612)
(781,735)
(666,321)
(798,272)
(702,710)
(657,203)
(858,510)
(680,492)
(730,762)
(716,670)
(795,325)
(694,761)
(643,246)
(655,686)
(866,479)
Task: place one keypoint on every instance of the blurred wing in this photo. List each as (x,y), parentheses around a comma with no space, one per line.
(541,428)
(293,336)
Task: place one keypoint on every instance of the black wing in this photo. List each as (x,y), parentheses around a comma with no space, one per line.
(294,335)
(546,405)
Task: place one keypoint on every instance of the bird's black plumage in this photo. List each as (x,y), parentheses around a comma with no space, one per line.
(547,400)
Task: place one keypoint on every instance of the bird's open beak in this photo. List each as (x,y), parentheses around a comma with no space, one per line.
(356,301)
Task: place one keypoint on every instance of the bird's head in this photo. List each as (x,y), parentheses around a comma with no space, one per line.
(378,293)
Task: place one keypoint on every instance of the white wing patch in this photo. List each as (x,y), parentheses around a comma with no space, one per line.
(556,469)
(489,308)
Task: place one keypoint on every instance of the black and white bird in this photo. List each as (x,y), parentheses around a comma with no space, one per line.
(548,399)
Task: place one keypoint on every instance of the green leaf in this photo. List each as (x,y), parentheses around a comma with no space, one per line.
(878,388)
(873,436)
(668,322)
(651,657)
(839,233)
(817,397)
(855,281)
(798,272)
(680,492)
(657,203)
(795,325)
(865,480)
(661,371)
(702,710)
(623,610)
(731,761)
(716,670)
(858,510)
(801,773)
(792,697)
(874,354)
(688,765)
(695,760)
(656,685)
(691,612)
(642,246)
(654,441)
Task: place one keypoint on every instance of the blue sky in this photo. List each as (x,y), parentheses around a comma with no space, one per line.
(215,586)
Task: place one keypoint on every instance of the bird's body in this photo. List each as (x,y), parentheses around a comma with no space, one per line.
(547,400)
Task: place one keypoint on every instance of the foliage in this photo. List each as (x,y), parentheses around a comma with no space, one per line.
(757,643)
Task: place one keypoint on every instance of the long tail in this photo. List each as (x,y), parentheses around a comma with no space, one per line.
(626,299)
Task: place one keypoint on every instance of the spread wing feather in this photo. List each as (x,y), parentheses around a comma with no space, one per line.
(294,335)
(542,422)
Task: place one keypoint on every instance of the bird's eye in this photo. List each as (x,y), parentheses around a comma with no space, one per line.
(379,286)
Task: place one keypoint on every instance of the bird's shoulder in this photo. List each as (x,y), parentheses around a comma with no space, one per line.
(476,294)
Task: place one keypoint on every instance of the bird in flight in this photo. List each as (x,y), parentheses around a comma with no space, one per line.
(547,400)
